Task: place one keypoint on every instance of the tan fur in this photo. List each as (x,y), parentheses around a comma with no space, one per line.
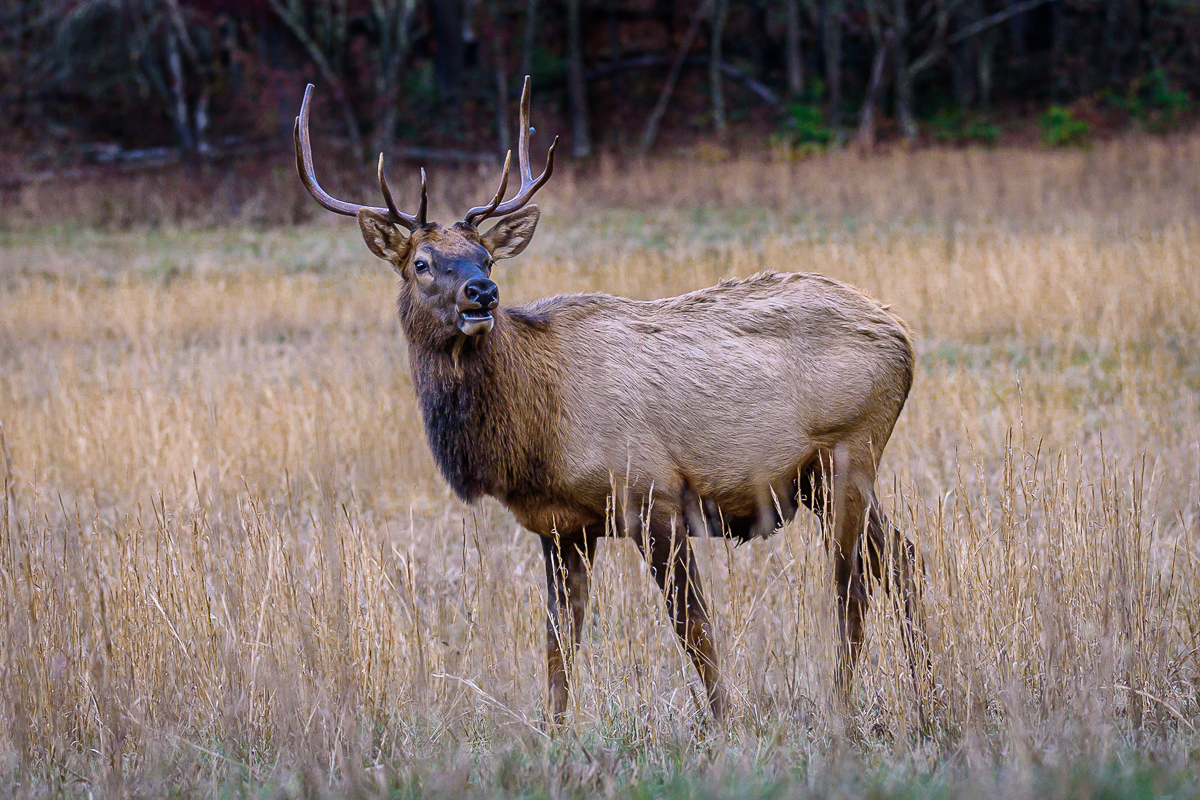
(725,389)
(731,399)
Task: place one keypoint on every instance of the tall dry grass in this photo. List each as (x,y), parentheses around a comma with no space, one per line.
(228,564)
(1135,181)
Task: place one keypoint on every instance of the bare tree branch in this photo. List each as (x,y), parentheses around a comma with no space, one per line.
(650,132)
(323,66)
(185,40)
(764,92)
(941,42)
(994,20)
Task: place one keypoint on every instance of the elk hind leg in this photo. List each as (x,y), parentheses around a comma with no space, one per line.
(673,565)
(850,500)
(567,583)
(891,560)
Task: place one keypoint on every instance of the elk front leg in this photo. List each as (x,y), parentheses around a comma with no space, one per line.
(567,565)
(674,568)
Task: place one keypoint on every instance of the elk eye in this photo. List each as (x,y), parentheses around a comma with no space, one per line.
(421,265)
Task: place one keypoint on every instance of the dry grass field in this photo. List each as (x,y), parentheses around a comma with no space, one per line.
(228,566)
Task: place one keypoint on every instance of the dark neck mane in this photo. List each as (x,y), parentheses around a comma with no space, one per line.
(489,406)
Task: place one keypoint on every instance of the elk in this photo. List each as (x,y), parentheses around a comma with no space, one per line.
(716,413)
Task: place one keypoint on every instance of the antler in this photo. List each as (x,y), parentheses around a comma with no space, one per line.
(528,185)
(304,166)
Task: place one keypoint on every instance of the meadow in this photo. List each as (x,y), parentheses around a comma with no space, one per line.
(228,566)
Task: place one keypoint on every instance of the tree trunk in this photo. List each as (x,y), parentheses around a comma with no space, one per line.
(446,16)
(21,67)
(501,82)
(183,60)
(530,35)
(965,56)
(795,61)
(319,58)
(385,126)
(650,131)
(470,43)
(904,83)
(866,122)
(714,68)
(200,123)
(581,141)
(904,98)
(1112,54)
(393,19)
(986,67)
(832,39)
(664,10)
(759,35)
(617,88)
(179,106)
(338,37)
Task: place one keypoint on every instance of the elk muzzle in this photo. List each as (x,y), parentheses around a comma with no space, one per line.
(476,299)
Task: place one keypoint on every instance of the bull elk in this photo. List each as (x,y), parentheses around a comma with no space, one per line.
(716,412)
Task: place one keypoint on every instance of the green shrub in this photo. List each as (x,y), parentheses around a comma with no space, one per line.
(805,124)
(1060,128)
(803,131)
(1165,106)
(982,131)
(1151,100)
(958,128)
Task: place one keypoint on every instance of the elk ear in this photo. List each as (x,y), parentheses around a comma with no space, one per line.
(513,233)
(383,237)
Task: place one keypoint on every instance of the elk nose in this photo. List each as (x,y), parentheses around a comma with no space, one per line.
(481,293)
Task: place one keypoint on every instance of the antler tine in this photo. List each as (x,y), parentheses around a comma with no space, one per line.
(308,176)
(523,135)
(528,184)
(528,189)
(424,199)
(387,193)
(480,213)
(397,216)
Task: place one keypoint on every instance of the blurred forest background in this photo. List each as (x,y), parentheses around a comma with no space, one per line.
(229,566)
(136,83)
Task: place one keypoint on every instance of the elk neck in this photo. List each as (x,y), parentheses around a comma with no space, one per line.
(489,403)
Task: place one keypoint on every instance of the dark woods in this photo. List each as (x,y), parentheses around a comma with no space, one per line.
(100,81)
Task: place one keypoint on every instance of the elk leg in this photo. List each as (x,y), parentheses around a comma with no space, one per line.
(849,516)
(812,487)
(567,565)
(674,568)
(891,559)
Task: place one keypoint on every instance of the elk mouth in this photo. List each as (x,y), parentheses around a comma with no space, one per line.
(474,321)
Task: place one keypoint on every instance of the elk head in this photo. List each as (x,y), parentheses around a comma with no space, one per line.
(446,284)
